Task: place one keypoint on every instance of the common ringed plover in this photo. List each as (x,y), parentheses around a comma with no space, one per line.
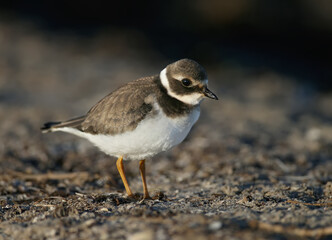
(143,117)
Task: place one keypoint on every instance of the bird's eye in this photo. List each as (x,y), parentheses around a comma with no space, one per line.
(186,82)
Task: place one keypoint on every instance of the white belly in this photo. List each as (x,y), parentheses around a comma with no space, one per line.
(150,137)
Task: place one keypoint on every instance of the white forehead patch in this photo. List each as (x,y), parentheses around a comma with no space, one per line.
(192,99)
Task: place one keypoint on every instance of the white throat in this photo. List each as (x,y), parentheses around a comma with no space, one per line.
(192,99)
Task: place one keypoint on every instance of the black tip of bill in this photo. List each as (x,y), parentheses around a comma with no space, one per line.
(210,94)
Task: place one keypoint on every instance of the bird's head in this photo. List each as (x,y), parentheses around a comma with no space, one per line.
(186,80)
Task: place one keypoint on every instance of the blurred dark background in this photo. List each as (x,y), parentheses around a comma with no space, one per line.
(290,37)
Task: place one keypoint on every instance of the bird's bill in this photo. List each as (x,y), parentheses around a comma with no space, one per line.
(209,94)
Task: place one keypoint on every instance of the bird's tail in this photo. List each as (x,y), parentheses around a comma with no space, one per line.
(54,126)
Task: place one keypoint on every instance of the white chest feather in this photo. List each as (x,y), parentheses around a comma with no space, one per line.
(151,136)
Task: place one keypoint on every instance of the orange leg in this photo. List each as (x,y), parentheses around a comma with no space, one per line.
(142,171)
(119,165)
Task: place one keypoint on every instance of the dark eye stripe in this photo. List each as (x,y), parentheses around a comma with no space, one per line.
(178,88)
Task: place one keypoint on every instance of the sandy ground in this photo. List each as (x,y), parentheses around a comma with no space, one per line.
(257,164)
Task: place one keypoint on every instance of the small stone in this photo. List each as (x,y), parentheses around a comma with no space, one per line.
(143,235)
(214,226)
(313,134)
(328,190)
(103,210)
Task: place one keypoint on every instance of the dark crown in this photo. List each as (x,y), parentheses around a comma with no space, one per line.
(187,67)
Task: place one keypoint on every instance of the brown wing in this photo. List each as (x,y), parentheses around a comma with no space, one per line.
(121,110)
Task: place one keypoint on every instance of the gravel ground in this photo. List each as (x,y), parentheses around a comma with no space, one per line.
(257,164)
